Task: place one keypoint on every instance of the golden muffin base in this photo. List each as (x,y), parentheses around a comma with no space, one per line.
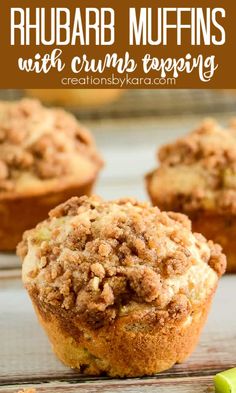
(221,229)
(130,347)
(19,213)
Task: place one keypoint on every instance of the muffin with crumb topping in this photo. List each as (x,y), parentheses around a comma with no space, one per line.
(197,176)
(120,287)
(46,156)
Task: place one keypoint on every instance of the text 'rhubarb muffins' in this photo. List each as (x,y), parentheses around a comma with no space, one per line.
(46,156)
(120,287)
(197,176)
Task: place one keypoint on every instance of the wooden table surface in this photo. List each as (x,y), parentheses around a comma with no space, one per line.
(128,147)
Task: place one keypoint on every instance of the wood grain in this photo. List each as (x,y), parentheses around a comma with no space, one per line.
(148,385)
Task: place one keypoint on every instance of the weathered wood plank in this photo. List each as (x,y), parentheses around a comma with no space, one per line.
(26,354)
(9,274)
(9,261)
(151,385)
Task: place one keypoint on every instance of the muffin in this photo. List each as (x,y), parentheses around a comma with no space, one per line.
(197,176)
(46,157)
(76,97)
(120,287)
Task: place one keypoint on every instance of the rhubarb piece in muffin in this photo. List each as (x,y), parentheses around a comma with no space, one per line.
(120,287)
(46,156)
(197,176)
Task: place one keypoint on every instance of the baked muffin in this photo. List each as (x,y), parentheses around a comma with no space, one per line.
(46,156)
(119,287)
(197,176)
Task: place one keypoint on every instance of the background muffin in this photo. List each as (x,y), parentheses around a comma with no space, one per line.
(119,287)
(197,176)
(76,97)
(46,156)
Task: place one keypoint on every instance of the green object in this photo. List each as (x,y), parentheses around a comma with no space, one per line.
(225,382)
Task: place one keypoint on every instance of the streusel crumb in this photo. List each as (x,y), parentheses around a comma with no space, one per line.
(97,258)
(198,171)
(40,143)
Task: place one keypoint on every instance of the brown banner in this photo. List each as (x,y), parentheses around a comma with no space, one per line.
(118,44)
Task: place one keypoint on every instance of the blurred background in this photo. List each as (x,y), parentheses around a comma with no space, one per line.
(129,126)
(118,104)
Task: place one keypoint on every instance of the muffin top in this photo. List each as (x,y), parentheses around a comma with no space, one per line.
(198,171)
(42,148)
(101,260)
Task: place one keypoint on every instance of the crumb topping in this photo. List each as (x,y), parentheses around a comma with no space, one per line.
(200,169)
(101,259)
(38,143)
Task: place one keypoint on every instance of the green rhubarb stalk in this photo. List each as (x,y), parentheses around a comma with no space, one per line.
(225,382)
